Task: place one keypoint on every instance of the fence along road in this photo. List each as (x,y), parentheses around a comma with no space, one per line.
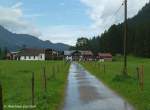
(86,92)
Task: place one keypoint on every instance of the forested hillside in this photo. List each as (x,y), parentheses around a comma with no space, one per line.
(138,36)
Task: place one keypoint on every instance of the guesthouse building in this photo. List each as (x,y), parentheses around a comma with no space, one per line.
(32,54)
(104,57)
(38,54)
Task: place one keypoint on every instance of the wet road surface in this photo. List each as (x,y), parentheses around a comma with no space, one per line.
(86,92)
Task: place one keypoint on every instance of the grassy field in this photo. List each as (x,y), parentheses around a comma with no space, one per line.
(127,88)
(16,80)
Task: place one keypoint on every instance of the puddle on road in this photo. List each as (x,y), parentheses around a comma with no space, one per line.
(85,92)
(90,95)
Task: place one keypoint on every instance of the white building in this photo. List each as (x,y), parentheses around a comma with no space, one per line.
(32,54)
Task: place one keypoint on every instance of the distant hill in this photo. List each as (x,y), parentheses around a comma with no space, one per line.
(13,41)
(138,36)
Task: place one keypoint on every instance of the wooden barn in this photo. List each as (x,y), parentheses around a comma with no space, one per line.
(104,56)
(86,55)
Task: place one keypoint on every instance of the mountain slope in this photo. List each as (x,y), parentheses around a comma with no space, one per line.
(138,36)
(16,41)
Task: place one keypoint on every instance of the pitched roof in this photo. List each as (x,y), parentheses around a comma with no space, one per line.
(104,54)
(31,52)
(68,53)
(86,53)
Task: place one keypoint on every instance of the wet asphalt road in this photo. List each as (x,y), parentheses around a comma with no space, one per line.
(85,92)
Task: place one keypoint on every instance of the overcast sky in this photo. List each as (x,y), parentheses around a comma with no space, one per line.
(63,20)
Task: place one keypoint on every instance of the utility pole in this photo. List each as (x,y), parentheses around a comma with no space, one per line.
(33,88)
(1,97)
(125,40)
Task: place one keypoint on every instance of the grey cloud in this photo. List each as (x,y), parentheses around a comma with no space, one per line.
(102,11)
(13,19)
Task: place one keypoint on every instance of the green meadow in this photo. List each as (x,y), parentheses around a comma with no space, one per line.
(128,87)
(15,77)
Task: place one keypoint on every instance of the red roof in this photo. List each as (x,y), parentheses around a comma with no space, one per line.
(86,53)
(104,55)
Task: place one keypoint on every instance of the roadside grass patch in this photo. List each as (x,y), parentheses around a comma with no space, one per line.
(122,78)
(128,88)
(16,80)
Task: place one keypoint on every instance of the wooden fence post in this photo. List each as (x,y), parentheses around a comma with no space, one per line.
(138,73)
(104,68)
(33,90)
(53,70)
(142,78)
(57,67)
(1,97)
(45,79)
(99,66)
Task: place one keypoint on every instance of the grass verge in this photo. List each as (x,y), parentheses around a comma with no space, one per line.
(126,87)
(15,77)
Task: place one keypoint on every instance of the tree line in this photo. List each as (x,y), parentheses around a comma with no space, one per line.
(138,41)
(3,53)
